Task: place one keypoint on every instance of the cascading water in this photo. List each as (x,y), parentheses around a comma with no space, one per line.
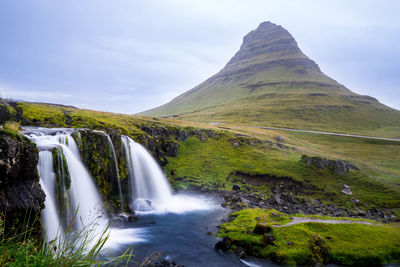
(150,190)
(149,186)
(85,199)
(50,217)
(82,195)
(111,145)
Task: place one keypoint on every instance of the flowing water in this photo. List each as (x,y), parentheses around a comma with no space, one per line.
(85,199)
(180,225)
(111,145)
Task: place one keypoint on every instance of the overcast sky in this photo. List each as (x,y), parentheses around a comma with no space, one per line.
(129,56)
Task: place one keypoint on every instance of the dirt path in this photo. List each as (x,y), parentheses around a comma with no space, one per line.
(297,220)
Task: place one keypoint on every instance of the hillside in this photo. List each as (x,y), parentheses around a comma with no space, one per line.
(270,82)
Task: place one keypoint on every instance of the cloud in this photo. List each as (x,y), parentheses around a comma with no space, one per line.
(128,56)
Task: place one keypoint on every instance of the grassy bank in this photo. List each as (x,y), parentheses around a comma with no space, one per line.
(306,243)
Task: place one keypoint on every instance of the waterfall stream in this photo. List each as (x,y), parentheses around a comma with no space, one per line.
(69,188)
(111,145)
(149,186)
(85,199)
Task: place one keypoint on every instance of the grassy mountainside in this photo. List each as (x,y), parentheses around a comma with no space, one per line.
(270,82)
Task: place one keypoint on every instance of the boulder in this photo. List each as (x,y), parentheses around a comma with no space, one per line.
(224,244)
(337,166)
(236,187)
(262,228)
(268,239)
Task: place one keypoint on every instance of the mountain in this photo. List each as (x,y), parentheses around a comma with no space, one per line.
(271,82)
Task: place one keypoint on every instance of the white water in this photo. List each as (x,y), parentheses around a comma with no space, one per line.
(83,192)
(150,190)
(111,145)
(84,195)
(47,182)
(147,182)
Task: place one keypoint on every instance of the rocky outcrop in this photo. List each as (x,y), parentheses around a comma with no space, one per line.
(6,112)
(20,193)
(337,166)
(97,155)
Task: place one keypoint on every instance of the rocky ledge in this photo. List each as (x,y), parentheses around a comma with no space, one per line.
(283,199)
(20,193)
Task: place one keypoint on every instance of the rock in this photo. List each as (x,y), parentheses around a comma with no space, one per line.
(279,139)
(20,191)
(234,143)
(209,233)
(128,217)
(347,191)
(246,202)
(278,199)
(337,166)
(239,251)
(236,187)
(224,244)
(262,228)
(172,149)
(346,186)
(268,239)
(319,249)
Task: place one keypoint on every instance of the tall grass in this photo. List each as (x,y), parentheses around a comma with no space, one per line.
(12,126)
(74,248)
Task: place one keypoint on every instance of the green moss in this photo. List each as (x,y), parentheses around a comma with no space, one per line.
(62,185)
(304,243)
(46,115)
(213,164)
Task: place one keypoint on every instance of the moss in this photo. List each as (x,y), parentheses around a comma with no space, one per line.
(43,115)
(306,243)
(214,163)
(62,185)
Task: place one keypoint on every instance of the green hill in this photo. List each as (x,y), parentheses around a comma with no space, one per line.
(270,82)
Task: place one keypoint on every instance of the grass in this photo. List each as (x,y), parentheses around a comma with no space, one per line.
(20,246)
(347,244)
(12,126)
(214,163)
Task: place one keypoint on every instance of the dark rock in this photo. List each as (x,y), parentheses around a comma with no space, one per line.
(319,249)
(172,149)
(20,191)
(268,239)
(338,166)
(279,139)
(236,187)
(289,243)
(262,228)
(240,252)
(5,112)
(224,244)
(128,217)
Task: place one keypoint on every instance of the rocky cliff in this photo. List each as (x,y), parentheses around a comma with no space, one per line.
(20,193)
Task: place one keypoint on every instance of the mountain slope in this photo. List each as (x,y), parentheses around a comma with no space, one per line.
(270,82)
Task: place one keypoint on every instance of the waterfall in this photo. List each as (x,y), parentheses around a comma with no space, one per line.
(149,186)
(111,145)
(50,217)
(85,198)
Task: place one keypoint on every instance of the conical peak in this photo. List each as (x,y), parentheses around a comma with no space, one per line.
(268,42)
